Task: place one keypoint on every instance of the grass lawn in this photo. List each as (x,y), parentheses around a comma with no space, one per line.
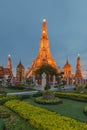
(12,121)
(69,108)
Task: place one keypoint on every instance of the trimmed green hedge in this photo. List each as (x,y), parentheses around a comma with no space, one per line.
(43,119)
(41,100)
(3,99)
(74,96)
(12,121)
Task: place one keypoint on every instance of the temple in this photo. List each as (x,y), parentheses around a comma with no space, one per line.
(67,69)
(44,56)
(20,70)
(8,70)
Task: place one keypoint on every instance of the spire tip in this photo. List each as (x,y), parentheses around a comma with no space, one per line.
(44,20)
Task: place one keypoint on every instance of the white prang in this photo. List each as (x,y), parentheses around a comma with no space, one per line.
(78,55)
(43,84)
(9,55)
(44,20)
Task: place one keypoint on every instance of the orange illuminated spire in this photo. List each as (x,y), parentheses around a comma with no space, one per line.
(44,29)
(78,68)
(44,55)
(44,41)
(9,65)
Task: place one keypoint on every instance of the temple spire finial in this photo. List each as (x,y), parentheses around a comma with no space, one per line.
(44,29)
(78,55)
(44,20)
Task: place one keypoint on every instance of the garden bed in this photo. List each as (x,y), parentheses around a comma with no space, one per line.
(69,108)
(43,101)
(3,98)
(73,96)
(12,121)
(43,119)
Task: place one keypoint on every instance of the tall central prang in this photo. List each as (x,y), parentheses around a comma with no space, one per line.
(44,56)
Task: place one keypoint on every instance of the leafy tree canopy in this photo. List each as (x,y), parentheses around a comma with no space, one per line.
(48,69)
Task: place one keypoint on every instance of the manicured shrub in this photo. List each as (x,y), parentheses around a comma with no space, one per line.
(41,100)
(3,99)
(43,119)
(74,96)
(13,122)
(79,88)
(4,114)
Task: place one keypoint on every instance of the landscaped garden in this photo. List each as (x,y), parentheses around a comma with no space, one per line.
(24,112)
(12,121)
(69,108)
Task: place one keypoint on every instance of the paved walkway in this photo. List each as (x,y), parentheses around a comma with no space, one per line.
(37,88)
(18,93)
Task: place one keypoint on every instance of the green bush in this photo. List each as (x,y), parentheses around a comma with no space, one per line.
(74,96)
(4,114)
(3,99)
(13,122)
(79,88)
(41,100)
(43,119)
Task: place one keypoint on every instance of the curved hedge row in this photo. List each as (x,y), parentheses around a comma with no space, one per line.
(41,100)
(3,99)
(43,119)
(74,96)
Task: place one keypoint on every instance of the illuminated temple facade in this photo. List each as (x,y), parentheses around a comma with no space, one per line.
(6,71)
(78,73)
(44,55)
(67,69)
(20,72)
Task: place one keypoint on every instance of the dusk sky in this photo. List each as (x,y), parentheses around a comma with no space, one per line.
(20,30)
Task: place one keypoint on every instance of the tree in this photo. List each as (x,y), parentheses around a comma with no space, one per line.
(60,79)
(48,69)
